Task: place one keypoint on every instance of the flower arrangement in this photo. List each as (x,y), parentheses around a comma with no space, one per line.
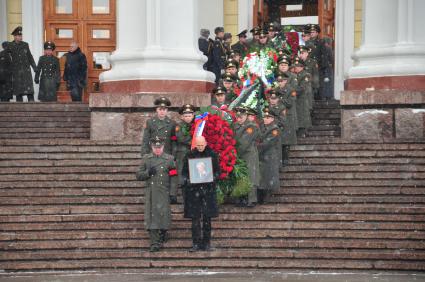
(233,180)
(220,139)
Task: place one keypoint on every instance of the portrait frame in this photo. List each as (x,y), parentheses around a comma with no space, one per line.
(201,170)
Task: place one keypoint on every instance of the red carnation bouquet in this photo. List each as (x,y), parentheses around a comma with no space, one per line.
(220,139)
(233,180)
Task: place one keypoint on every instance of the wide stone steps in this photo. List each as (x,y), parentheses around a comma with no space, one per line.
(44,120)
(74,204)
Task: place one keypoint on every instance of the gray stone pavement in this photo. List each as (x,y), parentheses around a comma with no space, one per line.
(205,276)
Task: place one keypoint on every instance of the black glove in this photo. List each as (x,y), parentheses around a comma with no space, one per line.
(37,81)
(173,200)
(152,171)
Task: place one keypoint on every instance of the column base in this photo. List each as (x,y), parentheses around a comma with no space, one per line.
(150,85)
(121,116)
(411,83)
(382,115)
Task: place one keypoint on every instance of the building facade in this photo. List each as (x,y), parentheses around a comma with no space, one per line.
(379,51)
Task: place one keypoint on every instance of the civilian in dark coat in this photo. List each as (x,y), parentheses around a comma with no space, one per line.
(200,199)
(22,62)
(6,90)
(205,45)
(75,73)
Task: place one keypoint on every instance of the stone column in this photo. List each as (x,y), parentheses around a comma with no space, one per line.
(3,21)
(33,31)
(157,54)
(385,91)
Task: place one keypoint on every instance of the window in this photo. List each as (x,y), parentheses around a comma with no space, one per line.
(64,33)
(63,7)
(101,34)
(100,7)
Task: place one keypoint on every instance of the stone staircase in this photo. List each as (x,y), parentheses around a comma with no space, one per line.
(326,119)
(73,204)
(44,120)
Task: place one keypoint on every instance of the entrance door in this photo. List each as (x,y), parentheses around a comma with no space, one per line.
(91,23)
(326,9)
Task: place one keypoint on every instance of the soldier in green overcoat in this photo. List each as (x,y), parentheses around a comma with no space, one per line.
(304,94)
(312,68)
(246,136)
(159,125)
(182,144)
(269,152)
(157,169)
(278,109)
(289,131)
(22,62)
(48,74)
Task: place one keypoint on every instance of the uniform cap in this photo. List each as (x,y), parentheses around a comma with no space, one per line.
(187,109)
(284,60)
(231,63)
(17,31)
(241,110)
(162,102)
(251,112)
(243,33)
(268,113)
(49,45)
(219,90)
(303,48)
(228,77)
(298,62)
(263,32)
(255,30)
(157,141)
(282,76)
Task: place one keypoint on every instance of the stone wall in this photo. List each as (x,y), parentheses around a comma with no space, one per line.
(118,117)
(383,114)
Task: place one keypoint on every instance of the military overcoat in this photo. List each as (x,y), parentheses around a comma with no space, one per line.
(157,190)
(269,152)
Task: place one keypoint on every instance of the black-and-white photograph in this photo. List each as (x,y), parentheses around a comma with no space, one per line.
(200,170)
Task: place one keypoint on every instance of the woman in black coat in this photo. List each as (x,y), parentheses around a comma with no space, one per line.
(200,199)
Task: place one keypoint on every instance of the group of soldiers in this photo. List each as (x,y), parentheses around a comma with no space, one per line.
(319,52)
(16,62)
(166,149)
(262,139)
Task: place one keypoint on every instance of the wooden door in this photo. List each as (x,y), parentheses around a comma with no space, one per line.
(91,23)
(326,11)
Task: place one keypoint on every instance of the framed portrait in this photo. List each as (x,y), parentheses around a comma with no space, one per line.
(201,170)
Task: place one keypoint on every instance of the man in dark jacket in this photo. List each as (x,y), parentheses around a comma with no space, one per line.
(205,44)
(200,198)
(75,73)
(22,60)
(6,90)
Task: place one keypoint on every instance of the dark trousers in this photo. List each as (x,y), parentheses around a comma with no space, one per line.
(285,155)
(76,94)
(20,97)
(4,100)
(201,234)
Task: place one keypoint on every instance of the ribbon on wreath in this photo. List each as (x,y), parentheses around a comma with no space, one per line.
(200,121)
